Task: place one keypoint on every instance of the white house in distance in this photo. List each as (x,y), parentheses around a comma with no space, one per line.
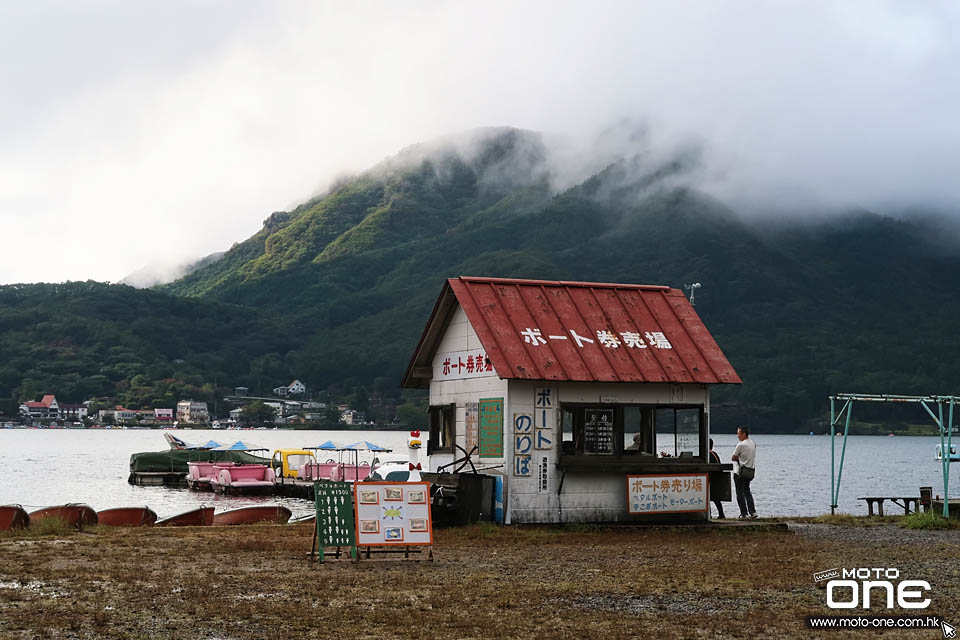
(590,399)
(295,388)
(47,408)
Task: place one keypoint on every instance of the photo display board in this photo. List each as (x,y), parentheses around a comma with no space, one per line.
(393,513)
(676,493)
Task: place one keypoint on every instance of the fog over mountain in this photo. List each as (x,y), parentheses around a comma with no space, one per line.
(135,132)
(160,273)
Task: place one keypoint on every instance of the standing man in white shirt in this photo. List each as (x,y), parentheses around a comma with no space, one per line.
(745,455)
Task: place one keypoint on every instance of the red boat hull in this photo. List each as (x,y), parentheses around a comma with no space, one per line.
(13,516)
(75,515)
(202,517)
(252,515)
(127,517)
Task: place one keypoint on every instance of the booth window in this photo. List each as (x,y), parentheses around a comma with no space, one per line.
(443,429)
(630,431)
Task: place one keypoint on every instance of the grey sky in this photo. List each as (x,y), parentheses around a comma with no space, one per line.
(138,133)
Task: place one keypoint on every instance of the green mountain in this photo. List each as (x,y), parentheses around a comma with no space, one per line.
(336,291)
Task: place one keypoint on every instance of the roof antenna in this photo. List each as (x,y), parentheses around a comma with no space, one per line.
(692,288)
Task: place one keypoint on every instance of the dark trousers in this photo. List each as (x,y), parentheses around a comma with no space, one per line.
(744,497)
(719,506)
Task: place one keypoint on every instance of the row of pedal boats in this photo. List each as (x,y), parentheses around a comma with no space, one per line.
(14,516)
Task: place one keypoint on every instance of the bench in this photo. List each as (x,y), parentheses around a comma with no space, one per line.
(901,501)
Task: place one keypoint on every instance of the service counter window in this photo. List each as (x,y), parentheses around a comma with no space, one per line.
(639,434)
(443,429)
(632,432)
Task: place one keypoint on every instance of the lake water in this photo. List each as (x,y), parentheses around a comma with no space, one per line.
(44,467)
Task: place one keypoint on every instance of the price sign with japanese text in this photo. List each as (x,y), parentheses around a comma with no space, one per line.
(334,504)
(677,493)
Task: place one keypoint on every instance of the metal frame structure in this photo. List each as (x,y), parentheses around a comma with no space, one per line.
(946,429)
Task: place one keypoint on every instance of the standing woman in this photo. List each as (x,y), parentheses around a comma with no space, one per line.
(715,459)
(745,455)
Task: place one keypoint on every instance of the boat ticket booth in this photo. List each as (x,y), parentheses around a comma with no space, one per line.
(590,400)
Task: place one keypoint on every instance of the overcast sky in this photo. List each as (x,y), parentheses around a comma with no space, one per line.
(134,133)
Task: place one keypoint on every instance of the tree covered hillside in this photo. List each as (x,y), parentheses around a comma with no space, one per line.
(339,288)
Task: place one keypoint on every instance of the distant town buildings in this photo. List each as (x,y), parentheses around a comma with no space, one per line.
(291,407)
(192,412)
(47,409)
(295,388)
(349,416)
(73,412)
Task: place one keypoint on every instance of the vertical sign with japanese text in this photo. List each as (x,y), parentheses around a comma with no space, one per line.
(522,443)
(543,475)
(491,427)
(543,418)
(470,414)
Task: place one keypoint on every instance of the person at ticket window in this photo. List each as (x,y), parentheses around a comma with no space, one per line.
(745,455)
(715,459)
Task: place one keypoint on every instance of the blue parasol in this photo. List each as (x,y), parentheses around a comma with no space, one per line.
(329,445)
(241,445)
(209,444)
(366,445)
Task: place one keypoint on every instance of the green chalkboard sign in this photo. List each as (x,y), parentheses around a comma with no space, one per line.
(491,428)
(334,501)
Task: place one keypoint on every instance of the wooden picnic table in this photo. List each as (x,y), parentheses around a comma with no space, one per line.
(901,501)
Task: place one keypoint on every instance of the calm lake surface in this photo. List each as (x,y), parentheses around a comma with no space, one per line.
(53,466)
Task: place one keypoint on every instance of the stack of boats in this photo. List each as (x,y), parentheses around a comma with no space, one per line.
(14,516)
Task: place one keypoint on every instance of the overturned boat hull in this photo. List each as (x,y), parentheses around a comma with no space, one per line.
(127,517)
(13,516)
(202,517)
(74,515)
(253,515)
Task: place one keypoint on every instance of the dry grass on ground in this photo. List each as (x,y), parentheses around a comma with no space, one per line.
(486,582)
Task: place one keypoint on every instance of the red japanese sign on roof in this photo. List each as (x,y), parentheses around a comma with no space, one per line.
(577,331)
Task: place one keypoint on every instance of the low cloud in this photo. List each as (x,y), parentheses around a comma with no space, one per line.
(137,132)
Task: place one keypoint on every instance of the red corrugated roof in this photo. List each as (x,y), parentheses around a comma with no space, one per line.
(579,331)
(48,399)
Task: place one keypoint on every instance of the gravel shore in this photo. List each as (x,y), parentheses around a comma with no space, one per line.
(484,582)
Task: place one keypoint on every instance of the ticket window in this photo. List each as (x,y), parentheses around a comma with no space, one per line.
(684,426)
(631,431)
(639,436)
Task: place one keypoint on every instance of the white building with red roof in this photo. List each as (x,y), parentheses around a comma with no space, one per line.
(588,401)
(47,409)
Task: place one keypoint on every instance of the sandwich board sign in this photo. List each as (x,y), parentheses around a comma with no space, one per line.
(334,504)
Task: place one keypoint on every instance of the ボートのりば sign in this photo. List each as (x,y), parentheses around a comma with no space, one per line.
(677,493)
